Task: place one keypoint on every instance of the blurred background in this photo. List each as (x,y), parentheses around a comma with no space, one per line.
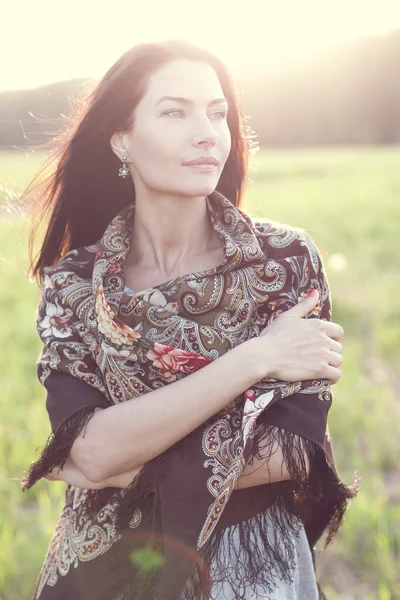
(320,86)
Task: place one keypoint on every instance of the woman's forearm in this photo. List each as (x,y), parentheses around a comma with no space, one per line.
(259,472)
(264,470)
(72,475)
(256,474)
(122,437)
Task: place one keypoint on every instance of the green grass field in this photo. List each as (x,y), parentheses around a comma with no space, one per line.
(349,201)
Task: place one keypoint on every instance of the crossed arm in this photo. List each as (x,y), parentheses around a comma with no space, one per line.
(258,473)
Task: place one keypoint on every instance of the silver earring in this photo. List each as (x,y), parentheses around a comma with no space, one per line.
(123,171)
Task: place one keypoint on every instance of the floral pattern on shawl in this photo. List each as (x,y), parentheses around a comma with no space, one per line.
(112,327)
(126,346)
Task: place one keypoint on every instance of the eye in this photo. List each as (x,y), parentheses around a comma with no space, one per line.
(171,112)
(221,113)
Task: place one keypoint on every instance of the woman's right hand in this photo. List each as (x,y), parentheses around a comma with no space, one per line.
(292,348)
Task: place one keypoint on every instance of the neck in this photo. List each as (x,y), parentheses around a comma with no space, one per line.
(168,231)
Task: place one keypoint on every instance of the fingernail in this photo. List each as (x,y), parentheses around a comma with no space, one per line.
(313,294)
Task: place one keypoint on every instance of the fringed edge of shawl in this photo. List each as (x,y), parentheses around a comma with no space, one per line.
(143,488)
(294,503)
(58,447)
(314,486)
(255,563)
(317,486)
(264,557)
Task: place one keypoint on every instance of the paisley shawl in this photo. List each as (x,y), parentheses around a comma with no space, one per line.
(103,346)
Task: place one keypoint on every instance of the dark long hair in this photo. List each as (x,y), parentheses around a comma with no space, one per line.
(83,192)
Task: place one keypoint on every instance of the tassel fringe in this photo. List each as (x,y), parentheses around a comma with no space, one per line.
(266,542)
(266,551)
(58,447)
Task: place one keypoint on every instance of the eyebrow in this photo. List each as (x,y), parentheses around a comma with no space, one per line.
(189,102)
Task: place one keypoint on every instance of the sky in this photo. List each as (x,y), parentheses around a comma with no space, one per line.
(44,41)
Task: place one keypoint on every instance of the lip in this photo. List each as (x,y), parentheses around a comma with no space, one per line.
(202,167)
(203,160)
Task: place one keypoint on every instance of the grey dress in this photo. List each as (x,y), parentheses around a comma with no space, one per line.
(303,586)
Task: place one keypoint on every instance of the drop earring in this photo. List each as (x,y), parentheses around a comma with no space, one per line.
(123,171)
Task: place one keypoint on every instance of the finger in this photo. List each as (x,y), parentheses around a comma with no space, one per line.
(304,307)
(335,331)
(335,346)
(335,359)
(333,374)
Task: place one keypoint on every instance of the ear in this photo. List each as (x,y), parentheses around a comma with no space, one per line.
(117,144)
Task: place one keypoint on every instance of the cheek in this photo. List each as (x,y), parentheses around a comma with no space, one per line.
(151,151)
(156,158)
(225,144)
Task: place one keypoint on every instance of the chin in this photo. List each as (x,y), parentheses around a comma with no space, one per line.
(200,190)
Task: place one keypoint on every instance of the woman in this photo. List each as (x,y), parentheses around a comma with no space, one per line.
(187,392)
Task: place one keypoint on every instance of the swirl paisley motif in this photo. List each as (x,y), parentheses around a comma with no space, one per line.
(128,344)
(282,238)
(78,538)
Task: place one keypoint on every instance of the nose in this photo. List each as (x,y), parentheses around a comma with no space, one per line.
(206,136)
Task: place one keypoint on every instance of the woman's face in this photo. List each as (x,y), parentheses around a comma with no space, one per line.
(168,133)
